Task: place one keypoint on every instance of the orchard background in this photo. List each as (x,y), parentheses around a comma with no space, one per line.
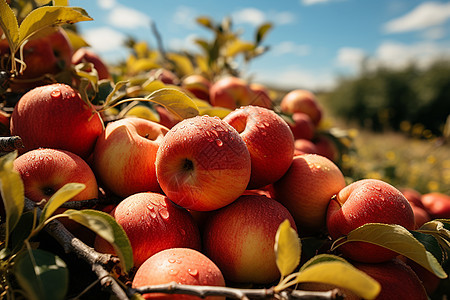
(391,126)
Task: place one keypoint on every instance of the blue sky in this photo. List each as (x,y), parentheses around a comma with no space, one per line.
(312,41)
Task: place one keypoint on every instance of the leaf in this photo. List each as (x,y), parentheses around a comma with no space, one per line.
(60,2)
(41,274)
(320,259)
(182,63)
(12,191)
(175,101)
(47,16)
(152,85)
(287,248)
(21,231)
(261,32)
(342,274)
(205,21)
(76,40)
(431,245)
(238,46)
(9,25)
(106,227)
(64,194)
(397,239)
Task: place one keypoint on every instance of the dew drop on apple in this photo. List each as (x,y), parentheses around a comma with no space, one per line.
(171,260)
(219,142)
(193,272)
(179,261)
(173,272)
(55,94)
(164,213)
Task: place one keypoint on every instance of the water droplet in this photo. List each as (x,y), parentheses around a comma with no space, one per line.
(171,260)
(164,213)
(219,142)
(173,272)
(182,231)
(178,261)
(55,94)
(266,124)
(215,132)
(193,272)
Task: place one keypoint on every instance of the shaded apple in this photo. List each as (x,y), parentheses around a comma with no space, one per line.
(437,205)
(230,92)
(303,101)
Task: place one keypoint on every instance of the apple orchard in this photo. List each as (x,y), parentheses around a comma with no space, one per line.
(171,176)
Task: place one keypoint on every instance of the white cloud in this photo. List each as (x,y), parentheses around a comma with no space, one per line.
(312,2)
(289,47)
(104,39)
(185,16)
(126,17)
(434,33)
(350,58)
(106,4)
(283,18)
(425,15)
(249,15)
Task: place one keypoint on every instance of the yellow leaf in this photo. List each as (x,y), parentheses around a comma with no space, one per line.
(238,46)
(287,248)
(175,101)
(202,63)
(215,111)
(76,40)
(343,275)
(153,85)
(143,112)
(142,64)
(201,104)
(182,63)
(9,25)
(141,49)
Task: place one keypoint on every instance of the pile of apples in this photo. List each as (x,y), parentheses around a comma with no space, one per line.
(201,199)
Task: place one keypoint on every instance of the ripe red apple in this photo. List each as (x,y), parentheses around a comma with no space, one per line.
(367,201)
(302,126)
(325,146)
(306,189)
(413,196)
(302,101)
(260,95)
(152,223)
(397,280)
(269,141)
(303,146)
(166,118)
(166,76)
(84,55)
(180,265)
(230,92)
(429,280)
(125,155)
(421,216)
(198,85)
(203,163)
(55,116)
(240,238)
(49,54)
(437,205)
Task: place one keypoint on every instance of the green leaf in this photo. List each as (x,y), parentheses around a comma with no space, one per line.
(342,274)
(431,245)
(320,259)
(41,274)
(9,25)
(397,239)
(48,16)
(261,32)
(21,231)
(12,191)
(287,248)
(106,227)
(64,194)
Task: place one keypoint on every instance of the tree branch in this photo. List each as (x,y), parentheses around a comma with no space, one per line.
(10,143)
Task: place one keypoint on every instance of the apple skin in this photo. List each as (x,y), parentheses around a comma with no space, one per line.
(304,146)
(55,116)
(397,280)
(166,76)
(302,126)
(166,118)
(260,95)
(413,196)
(125,155)
(203,163)
(180,265)
(367,201)
(306,189)
(198,85)
(437,205)
(152,223)
(230,92)
(325,146)
(240,238)
(269,141)
(304,101)
(84,55)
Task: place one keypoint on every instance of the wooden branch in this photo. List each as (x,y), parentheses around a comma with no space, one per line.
(10,143)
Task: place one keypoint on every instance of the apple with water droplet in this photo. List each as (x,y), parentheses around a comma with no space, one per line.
(180,265)
(230,92)
(152,223)
(303,101)
(203,164)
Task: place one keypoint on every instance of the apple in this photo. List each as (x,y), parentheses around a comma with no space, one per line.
(198,85)
(240,238)
(230,92)
(269,141)
(85,55)
(260,95)
(421,216)
(49,54)
(304,101)
(437,204)
(180,265)
(413,196)
(306,189)
(125,155)
(397,280)
(203,163)
(367,201)
(325,146)
(152,223)
(166,118)
(429,280)
(302,126)
(55,116)
(164,75)
(304,146)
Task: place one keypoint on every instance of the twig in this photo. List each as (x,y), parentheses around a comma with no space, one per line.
(10,143)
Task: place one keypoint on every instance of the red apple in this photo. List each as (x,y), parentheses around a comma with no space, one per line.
(303,146)
(125,155)
(166,118)
(325,146)
(260,96)
(84,55)
(367,201)
(421,216)
(302,126)
(55,116)
(230,92)
(240,238)
(437,205)
(269,141)
(413,196)
(429,280)
(152,223)
(306,189)
(397,280)
(302,101)
(203,164)
(180,265)
(198,85)
(164,75)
